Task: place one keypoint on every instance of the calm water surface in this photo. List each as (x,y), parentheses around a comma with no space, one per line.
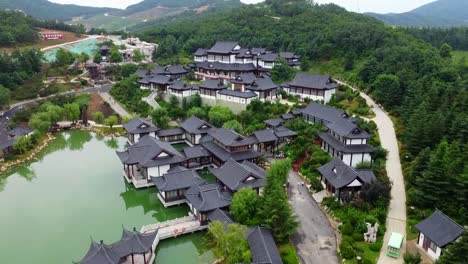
(52,207)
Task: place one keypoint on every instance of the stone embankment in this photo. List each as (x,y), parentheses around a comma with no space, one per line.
(8,165)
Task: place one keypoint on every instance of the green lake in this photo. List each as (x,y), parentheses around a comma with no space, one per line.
(74,191)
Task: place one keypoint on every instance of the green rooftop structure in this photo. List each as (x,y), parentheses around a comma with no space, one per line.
(394,245)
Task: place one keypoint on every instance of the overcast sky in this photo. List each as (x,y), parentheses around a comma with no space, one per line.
(378,6)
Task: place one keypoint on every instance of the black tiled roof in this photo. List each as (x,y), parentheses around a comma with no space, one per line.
(195,125)
(266,135)
(170,70)
(440,229)
(262,84)
(263,247)
(139,125)
(347,129)
(200,52)
(146,153)
(181,179)
(213,85)
(100,253)
(340,175)
(269,56)
(237,176)
(323,112)
(134,242)
(196,152)
(208,197)
(160,79)
(181,86)
(340,146)
(313,81)
(170,132)
(221,216)
(240,67)
(223,47)
(274,122)
(245,78)
(282,132)
(247,94)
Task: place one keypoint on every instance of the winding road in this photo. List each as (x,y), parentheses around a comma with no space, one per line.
(396,216)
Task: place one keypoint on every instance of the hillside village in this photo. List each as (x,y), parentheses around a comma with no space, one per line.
(265,153)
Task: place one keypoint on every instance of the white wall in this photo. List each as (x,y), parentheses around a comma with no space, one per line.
(432,254)
(356,141)
(234,99)
(157,171)
(356,158)
(328,94)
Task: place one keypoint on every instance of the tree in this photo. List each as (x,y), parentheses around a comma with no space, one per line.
(160,118)
(111,121)
(445,51)
(387,90)
(97,58)
(198,112)
(234,125)
(231,245)
(137,56)
(456,252)
(40,122)
(173,101)
(22,144)
(115,55)
(279,171)
(98,117)
(244,207)
(275,211)
(281,72)
(84,57)
(55,113)
(219,114)
(72,111)
(376,192)
(196,101)
(64,57)
(128,69)
(5,96)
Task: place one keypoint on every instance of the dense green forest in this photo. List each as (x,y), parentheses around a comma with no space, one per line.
(18,28)
(43,9)
(15,28)
(415,81)
(456,37)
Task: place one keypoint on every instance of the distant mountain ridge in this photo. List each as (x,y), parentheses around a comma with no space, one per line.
(149,4)
(46,10)
(441,13)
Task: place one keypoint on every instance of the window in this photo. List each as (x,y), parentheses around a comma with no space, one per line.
(433,247)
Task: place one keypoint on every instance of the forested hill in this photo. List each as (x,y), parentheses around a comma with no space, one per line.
(441,13)
(46,10)
(189,4)
(413,80)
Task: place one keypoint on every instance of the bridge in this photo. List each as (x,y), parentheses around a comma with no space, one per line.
(171,229)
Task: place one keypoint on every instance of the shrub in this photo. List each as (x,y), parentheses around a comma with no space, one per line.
(316,184)
(347,239)
(376,246)
(347,251)
(410,258)
(367,261)
(288,254)
(358,237)
(347,229)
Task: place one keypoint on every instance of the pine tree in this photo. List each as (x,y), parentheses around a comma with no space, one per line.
(275,211)
(419,165)
(455,252)
(434,185)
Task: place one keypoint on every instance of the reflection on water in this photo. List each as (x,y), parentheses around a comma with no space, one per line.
(73,190)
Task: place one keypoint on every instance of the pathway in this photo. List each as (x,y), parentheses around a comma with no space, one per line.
(396,217)
(151,100)
(315,239)
(114,104)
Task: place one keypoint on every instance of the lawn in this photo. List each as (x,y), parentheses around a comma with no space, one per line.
(207,175)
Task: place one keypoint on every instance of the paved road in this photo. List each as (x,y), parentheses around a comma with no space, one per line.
(5,117)
(114,104)
(396,217)
(151,100)
(315,239)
